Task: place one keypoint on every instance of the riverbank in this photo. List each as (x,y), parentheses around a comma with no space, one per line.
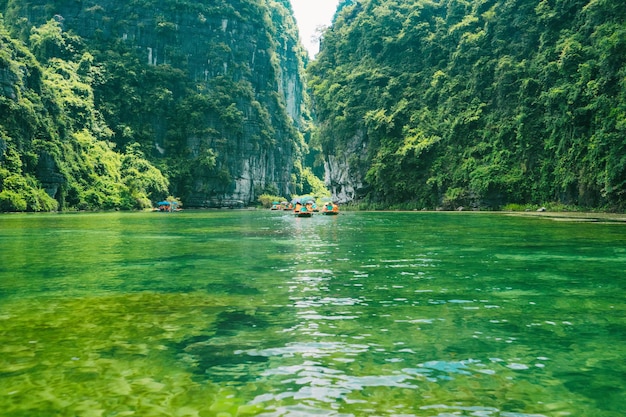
(573,216)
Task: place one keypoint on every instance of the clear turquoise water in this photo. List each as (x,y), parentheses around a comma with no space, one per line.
(258,313)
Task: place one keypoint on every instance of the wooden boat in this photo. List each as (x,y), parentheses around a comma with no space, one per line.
(302,211)
(167,206)
(330,209)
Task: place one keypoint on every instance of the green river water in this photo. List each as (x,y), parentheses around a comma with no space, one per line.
(257,313)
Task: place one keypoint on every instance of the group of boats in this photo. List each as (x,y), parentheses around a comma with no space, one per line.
(301,207)
(306,207)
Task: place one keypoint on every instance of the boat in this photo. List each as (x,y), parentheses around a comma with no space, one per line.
(302,210)
(330,209)
(276,206)
(167,206)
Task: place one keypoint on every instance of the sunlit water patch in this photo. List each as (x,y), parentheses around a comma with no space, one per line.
(235,313)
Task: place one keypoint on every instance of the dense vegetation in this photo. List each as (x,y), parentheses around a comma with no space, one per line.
(477,103)
(55,149)
(114,104)
(426,103)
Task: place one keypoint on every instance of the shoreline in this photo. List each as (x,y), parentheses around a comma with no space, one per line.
(573,216)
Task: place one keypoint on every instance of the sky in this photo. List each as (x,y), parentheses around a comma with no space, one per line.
(311,14)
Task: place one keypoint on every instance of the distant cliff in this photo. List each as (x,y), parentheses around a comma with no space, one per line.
(211,93)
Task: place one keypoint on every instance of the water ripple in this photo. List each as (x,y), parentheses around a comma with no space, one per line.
(477,411)
(316,382)
(309,350)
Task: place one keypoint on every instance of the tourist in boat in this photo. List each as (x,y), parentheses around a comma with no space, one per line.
(330,208)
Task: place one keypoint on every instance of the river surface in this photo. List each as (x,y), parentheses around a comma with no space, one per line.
(258,313)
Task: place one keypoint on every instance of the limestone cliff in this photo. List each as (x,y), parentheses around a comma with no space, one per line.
(342,175)
(213,91)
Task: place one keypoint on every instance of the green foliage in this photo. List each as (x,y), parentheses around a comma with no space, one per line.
(177,201)
(266,200)
(12,201)
(55,148)
(479,104)
(20,191)
(49,41)
(142,180)
(101,178)
(313,185)
(520,207)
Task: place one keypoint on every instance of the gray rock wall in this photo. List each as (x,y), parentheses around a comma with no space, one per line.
(342,174)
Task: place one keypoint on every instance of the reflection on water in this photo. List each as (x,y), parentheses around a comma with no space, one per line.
(235,313)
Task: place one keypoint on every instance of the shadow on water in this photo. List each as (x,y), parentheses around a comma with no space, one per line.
(220,355)
(606,392)
(232,288)
(230,323)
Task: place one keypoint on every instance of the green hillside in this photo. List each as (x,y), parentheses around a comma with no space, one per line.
(483,103)
(56,150)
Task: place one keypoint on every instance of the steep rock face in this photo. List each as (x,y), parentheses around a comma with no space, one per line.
(8,80)
(341,170)
(48,173)
(241,58)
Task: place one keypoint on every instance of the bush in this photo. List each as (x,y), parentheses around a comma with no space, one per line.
(12,201)
(520,207)
(266,200)
(454,198)
(39,200)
